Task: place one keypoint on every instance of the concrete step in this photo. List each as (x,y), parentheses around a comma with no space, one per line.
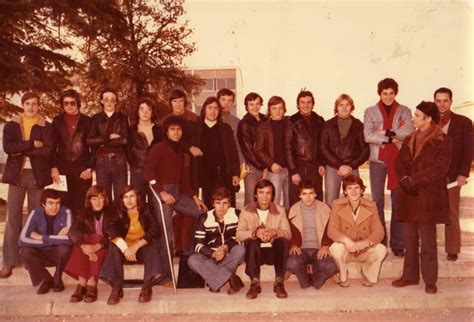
(21,301)
(391,269)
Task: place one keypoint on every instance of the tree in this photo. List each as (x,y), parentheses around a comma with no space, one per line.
(143,59)
(36,43)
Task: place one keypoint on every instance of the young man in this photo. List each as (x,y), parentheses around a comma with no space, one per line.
(44,242)
(270,148)
(28,142)
(305,161)
(133,233)
(227,99)
(246,136)
(218,254)
(165,167)
(355,228)
(265,230)
(386,124)
(459,128)
(108,138)
(309,242)
(72,156)
(422,167)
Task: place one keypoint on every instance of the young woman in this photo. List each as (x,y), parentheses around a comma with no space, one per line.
(219,166)
(90,241)
(133,233)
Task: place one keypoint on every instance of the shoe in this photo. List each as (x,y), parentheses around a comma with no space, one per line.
(254,290)
(398,252)
(402,283)
(145,294)
(6,271)
(58,286)
(91,294)
(366,282)
(452,257)
(115,296)
(279,290)
(344,283)
(45,286)
(431,289)
(78,294)
(235,284)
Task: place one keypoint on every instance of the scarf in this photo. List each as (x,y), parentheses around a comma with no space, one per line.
(389,152)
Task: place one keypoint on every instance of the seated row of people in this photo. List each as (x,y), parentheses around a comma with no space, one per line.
(100,241)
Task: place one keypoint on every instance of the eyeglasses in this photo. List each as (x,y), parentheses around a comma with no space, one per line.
(72,103)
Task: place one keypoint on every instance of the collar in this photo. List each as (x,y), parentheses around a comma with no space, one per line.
(252,207)
(40,120)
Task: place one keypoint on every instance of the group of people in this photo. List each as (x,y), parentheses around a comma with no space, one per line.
(90,231)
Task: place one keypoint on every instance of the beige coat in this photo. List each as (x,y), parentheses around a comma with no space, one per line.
(296,218)
(248,222)
(368,226)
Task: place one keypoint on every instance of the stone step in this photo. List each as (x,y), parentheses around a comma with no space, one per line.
(22,301)
(391,269)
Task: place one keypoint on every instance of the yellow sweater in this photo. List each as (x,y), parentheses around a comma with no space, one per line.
(28,123)
(134,234)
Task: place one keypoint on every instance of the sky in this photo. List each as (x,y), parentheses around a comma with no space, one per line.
(335,47)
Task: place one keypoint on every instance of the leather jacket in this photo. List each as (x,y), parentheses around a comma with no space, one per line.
(264,142)
(97,136)
(246,132)
(118,225)
(352,150)
(138,145)
(84,224)
(71,149)
(302,142)
(231,156)
(17,149)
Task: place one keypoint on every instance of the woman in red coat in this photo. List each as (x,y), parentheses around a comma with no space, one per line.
(90,241)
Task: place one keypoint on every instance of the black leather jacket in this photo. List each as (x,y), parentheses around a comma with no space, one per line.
(17,149)
(71,149)
(352,151)
(246,135)
(138,145)
(98,137)
(302,142)
(118,225)
(84,224)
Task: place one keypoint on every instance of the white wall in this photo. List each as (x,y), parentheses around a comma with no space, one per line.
(338,47)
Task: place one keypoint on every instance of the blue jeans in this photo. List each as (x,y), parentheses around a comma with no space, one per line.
(216,274)
(332,184)
(112,268)
(184,205)
(280,181)
(250,182)
(378,174)
(16,197)
(111,171)
(322,268)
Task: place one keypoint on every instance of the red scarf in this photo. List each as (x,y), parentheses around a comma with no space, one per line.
(389,152)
